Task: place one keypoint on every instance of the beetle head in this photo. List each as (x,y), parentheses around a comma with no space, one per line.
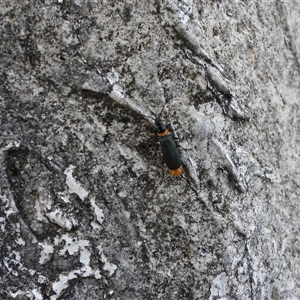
(161,127)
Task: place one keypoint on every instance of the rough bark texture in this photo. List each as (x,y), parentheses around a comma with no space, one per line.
(88,209)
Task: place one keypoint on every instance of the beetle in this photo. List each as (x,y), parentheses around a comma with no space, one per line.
(169,150)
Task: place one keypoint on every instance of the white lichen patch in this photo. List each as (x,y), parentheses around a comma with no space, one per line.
(62,219)
(46,252)
(219,287)
(111,268)
(98,211)
(72,246)
(74,185)
(20,242)
(65,196)
(24,294)
(62,283)
(37,294)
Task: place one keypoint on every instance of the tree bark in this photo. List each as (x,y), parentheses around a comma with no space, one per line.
(88,208)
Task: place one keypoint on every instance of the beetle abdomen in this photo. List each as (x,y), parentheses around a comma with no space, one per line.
(170,153)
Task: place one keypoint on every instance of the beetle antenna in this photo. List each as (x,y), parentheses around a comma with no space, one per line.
(160,113)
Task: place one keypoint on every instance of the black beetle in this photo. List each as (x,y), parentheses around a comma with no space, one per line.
(169,150)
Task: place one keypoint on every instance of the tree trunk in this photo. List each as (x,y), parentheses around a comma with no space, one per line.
(88,207)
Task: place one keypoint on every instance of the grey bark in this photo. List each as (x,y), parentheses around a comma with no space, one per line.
(88,209)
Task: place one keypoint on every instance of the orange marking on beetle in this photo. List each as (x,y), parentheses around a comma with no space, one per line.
(177,172)
(162,134)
